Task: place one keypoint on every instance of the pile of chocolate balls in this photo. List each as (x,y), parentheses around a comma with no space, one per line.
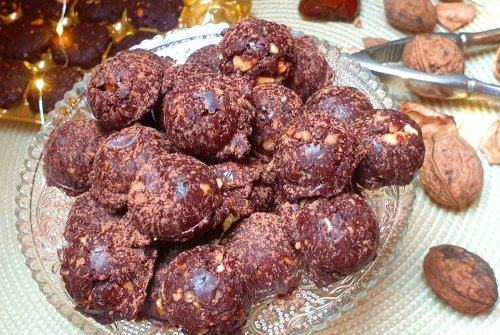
(203,188)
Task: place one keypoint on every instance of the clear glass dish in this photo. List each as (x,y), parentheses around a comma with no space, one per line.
(42,211)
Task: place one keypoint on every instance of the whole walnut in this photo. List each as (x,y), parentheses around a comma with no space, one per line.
(416,16)
(452,174)
(461,279)
(433,54)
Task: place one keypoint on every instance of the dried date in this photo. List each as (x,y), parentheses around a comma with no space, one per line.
(331,10)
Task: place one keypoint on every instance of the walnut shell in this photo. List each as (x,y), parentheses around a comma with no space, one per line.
(433,54)
(416,16)
(452,174)
(429,120)
(496,67)
(455,15)
(490,143)
(461,279)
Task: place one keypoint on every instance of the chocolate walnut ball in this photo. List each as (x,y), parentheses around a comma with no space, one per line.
(87,216)
(244,189)
(69,155)
(263,245)
(344,103)
(312,71)
(125,87)
(261,49)
(338,237)
(394,150)
(118,160)
(204,292)
(208,117)
(316,156)
(107,272)
(152,309)
(206,56)
(173,198)
(276,107)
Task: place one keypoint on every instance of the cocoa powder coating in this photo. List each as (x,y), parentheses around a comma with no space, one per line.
(263,245)
(394,150)
(276,107)
(259,49)
(69,155)
(205,292)
(338,237)
(316,156)
(118,160)
(125,87)
(312,71)
(208,117)
(173,198)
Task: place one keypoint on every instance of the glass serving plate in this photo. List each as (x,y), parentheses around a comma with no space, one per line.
(42,211)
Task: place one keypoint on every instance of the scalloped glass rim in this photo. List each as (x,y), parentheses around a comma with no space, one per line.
(307,309)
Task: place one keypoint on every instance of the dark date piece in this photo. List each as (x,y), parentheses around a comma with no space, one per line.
(329,10)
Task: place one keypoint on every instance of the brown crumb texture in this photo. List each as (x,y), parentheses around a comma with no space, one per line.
(338,237)
(118,160)
(8,6)
(152,309)
(394,150)
(204,292)
(124,88)
(173,198)
(208,117)
(243,189)
(69,155)
(316,156)
(276,107)
(262,244)
(207,57)
(344,103)
(312,71)
(87,216)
